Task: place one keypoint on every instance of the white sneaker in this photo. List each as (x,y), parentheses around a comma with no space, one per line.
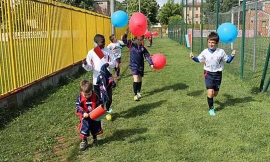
(139,95)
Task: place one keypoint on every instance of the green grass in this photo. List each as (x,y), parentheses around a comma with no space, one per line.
(170,123)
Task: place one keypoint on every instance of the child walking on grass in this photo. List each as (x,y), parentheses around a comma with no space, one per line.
(137,54)
(214,59)
(87,101)
(116,47)
(95,59)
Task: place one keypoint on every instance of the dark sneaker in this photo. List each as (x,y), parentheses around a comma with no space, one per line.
(83,145)
(95,142)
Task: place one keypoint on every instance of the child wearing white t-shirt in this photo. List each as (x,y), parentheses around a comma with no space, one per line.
(116,47)
(214,59)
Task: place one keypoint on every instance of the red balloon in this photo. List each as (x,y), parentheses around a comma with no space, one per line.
(159,61)
(138,24)
(147,34)
(155,33)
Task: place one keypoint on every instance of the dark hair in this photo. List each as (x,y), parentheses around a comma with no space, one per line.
(213,36)
(98,37)
(139,36)
(112,37)
(86,86)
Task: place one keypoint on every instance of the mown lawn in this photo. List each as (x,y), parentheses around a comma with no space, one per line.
(170,123)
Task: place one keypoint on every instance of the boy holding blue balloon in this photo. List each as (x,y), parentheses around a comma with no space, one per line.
(214,59)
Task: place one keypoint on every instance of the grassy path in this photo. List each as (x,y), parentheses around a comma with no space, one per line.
(170,123)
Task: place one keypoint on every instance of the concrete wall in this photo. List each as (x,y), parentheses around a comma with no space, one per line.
(17,99)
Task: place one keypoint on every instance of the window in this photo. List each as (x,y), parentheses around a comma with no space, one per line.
(196,15)
(197,22)
(189,8)
(263,24)
(196,8)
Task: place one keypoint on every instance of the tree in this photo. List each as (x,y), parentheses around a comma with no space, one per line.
(210,5)
(168,10)
(85,4)
(148,7)
(119,6)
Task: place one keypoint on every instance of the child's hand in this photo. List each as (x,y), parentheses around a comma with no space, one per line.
(106,64)
(233,52)
(152,66)
(85,115)
(191,55)
(84,61)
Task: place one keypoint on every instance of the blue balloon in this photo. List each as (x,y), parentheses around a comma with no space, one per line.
(119,19)
(227,32)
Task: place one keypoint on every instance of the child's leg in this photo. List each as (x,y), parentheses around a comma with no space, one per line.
(95,129)
(109,103)
(84,132)
(210,98)
(97,90)
(139,83)
(135,84)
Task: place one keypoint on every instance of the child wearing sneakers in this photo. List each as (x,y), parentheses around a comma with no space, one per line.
(213,59)
(116,47)
(137,54)
(87,101)
(95,59)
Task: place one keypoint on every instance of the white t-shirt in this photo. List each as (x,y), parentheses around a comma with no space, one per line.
(213,62)
(94,62)
(116,48)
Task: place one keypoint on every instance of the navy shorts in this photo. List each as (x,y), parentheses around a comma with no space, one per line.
(213,79)
(118,60)
(137,72)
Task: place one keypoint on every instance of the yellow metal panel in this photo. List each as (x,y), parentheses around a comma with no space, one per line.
(91,30)
(39,38)
(78,35)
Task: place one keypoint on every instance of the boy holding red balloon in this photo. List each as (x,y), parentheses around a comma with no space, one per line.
(137,54)
(214,59)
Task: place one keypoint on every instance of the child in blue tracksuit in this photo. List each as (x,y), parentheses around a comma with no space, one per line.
(137,54)
(87,101)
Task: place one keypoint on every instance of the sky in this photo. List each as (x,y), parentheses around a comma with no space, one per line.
(161,2)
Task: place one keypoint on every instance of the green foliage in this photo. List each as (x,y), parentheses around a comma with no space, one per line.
(148,7)
(169,9)
(175,18)
(85,4)
(210,5)
(119,6)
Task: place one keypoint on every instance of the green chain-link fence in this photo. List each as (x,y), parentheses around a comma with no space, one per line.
(252,20)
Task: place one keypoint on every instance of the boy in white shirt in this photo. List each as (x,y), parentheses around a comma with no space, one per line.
(213,59)
(116,47)
(94,60)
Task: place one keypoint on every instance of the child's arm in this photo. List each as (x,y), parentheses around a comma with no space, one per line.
(125,40)
(148,57)
(86,63)
(79,110)
(229,60)
(111,62)
(194,58)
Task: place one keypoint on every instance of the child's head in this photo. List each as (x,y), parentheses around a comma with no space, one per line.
(86,88)
(113,38)
(212,40)
(139,40)
(99,40)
